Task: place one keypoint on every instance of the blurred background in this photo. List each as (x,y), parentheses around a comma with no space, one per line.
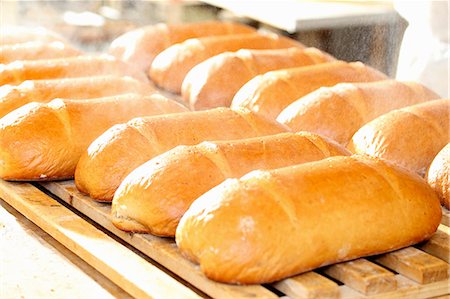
(408,40)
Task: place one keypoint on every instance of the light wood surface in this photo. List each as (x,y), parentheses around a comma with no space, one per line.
(439,244)
(163,250)
(122,266)
(364,276)
(33,264)
(416,265)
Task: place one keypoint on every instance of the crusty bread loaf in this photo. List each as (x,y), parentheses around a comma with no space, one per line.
(270,93)
(140,46)
(171,66)
(155,195)
(121,149)
(438,175)
(70,67)
(214,82)
(410,136)
(43,91)
(44,141)
(339,111)
(36,50)
(269,225)
(21,34)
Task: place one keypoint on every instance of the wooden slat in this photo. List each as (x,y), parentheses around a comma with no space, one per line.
(415,264)
(445,216)
(438,245)
(406,288)
(308,285)
(122,266)
(162,250)
(363,276)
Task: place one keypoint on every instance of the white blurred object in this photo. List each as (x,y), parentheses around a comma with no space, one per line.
(425,51)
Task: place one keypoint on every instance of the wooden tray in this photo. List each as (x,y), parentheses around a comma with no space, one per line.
(421,271)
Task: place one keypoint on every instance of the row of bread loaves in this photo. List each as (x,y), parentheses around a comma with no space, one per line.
(171,172)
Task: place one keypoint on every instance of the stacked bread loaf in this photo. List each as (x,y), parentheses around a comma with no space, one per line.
(253,190)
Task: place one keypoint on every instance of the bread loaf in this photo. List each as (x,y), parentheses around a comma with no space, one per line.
(339,111)
(438,175)
(155,195)
(269,225)
(44,141)
(270,93)
(171,66)
(121,149)
(36,50)
(214,82)
(19,34)
(70,67)
(139,47)
(43,91)
(410,136)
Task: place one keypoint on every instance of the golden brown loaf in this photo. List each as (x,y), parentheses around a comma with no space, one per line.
(44,141)
(70,67)
(43,91)
(121,149)
(269,225)
(339,111)
(18,34)
(438,175)
(139,47)
(171,66)
(270,93)
(410,136)
(36,50)
(154,196)
(214,82)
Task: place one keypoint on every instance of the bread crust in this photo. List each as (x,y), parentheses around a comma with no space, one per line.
(214,82)
(290,220)
(410,137)
(171,66)
(120,150)
(270,93)
(44,141)
(438,175)
(155,195)
(44,91)
(139,47)
(70,67)
(339,111)
(36,50)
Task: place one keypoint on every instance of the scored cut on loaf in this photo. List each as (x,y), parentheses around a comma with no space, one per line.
(339,111)
(171,66)
(44,141)
(36,50)
(273,224)
(70,67)
(438,175)
(84,88)
(140,46)
(154,196)
(410,137)
(121,149)
(214,82)
(268,94)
